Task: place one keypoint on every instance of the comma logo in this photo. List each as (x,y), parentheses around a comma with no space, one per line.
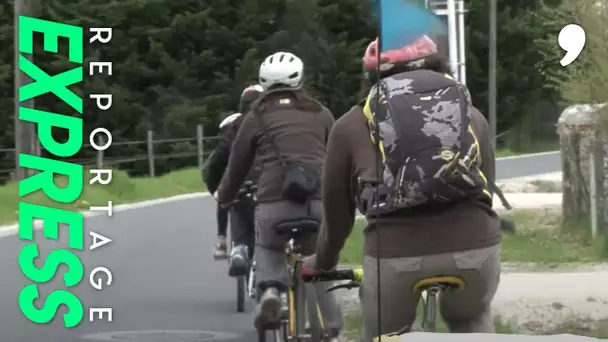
(572,39)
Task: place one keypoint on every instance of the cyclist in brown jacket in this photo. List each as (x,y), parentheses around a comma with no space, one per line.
(286,132)
(460,238)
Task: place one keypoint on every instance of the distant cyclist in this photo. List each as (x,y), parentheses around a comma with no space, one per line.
(241,214)
(286,131)
(433,215)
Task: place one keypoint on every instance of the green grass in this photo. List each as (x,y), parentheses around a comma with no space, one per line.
(537,147)
(539,240)
(353,324)
(597,329)
(122,189)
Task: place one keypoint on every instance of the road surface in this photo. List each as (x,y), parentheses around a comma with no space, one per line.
(164,278)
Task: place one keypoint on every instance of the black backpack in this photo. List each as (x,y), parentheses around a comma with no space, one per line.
(430,154)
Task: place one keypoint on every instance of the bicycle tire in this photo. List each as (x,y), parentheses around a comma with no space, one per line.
(313,314)
(241,288)
(275,335)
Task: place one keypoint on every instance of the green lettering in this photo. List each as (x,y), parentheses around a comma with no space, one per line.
(49,269)
(45,180)
(46,121)
(56,84)
(50,307)
(51,31)
(51,217)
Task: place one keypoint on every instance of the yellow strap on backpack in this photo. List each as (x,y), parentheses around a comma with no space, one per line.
(370,119)
(367,111)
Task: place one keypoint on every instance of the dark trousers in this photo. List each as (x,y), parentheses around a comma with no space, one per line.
(222,221)
(242,225)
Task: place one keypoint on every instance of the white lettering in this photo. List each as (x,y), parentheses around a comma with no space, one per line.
(107,209)
(99,97)
(100,66)
(94,143)
(98,178)
(96,243)
(100,312)
(98,285)
(98,31)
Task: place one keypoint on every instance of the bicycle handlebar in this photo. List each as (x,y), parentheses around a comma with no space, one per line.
(353,274)
(247,191)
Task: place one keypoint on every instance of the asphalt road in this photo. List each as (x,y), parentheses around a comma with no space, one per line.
(164,278)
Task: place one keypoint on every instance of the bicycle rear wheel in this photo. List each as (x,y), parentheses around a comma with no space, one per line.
(241,288)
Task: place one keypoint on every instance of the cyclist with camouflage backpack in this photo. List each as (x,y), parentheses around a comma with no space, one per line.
(429,210)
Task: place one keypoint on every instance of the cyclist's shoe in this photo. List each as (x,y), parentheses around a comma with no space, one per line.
(269,310)
(333,335)
(239,262)
(220,251)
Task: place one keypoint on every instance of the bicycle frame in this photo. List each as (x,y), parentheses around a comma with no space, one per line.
(295,323)
(251,290)
(296,313)
(356,276)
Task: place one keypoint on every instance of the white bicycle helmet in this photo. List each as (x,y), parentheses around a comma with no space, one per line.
(229,120)
(281,68)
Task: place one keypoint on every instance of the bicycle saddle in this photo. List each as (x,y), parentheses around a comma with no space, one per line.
(444,282)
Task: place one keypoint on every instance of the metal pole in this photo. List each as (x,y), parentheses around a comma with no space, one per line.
(25,132)
(152,169)
(453,41)
(199,145)
(492,74)
(18,82)
(99,162)
(462,59)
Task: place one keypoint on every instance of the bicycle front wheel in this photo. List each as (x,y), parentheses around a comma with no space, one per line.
(306,313)
(315,319)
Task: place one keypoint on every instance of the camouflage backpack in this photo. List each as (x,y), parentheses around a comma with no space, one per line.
(429,152)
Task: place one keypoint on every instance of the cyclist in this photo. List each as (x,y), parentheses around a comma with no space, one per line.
(430,229)
(241,214)
(287,131)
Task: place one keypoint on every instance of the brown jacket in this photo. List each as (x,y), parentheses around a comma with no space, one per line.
(350,154)
(299,127)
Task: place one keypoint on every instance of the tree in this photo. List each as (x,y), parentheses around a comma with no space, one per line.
(182,63)
(584,127)
(524,103)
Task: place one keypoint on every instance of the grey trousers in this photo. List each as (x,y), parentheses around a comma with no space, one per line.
(481,337)
(271,266)
(466,311)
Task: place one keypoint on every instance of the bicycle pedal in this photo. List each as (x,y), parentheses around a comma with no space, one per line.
(272,326)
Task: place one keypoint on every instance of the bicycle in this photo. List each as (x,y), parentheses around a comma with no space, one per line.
(302,306)
(245,284)
(431,286)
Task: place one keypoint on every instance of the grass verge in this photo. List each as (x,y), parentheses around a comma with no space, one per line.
(122,189)
(539,240)
(538,147)
(353,324)
(597,329)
